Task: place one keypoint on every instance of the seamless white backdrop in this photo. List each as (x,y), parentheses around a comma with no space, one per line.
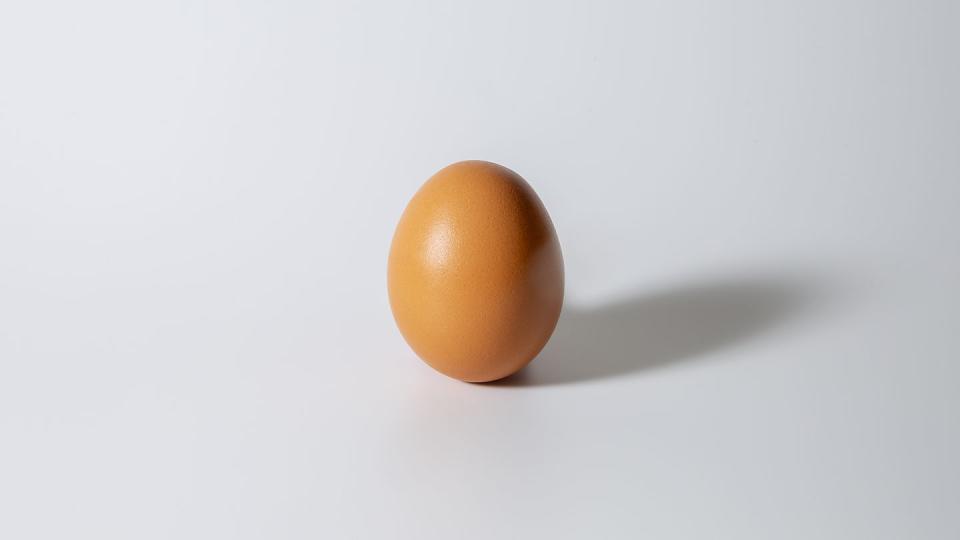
(757,202)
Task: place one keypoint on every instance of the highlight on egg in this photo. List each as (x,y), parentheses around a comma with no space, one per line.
(475,272)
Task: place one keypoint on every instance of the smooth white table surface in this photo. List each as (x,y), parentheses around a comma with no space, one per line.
(759,206)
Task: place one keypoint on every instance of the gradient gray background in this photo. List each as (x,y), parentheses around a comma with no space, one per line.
(758,204)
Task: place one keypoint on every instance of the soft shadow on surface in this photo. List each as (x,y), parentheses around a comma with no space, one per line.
(663,327)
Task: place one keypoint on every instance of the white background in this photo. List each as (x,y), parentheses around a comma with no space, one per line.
(758,204)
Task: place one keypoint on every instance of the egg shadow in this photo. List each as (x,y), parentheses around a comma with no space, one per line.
(664,327)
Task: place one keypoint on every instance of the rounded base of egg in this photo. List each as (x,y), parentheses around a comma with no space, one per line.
(475,272)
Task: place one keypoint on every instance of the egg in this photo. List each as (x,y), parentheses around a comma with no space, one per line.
(475,272)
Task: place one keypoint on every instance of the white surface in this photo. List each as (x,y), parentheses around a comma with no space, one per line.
(758,204)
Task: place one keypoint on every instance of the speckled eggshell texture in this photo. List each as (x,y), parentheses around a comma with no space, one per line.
(475,273)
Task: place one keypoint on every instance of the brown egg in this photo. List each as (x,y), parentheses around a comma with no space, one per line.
(475,273)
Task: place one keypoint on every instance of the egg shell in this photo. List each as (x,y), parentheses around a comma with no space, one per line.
(475,273)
